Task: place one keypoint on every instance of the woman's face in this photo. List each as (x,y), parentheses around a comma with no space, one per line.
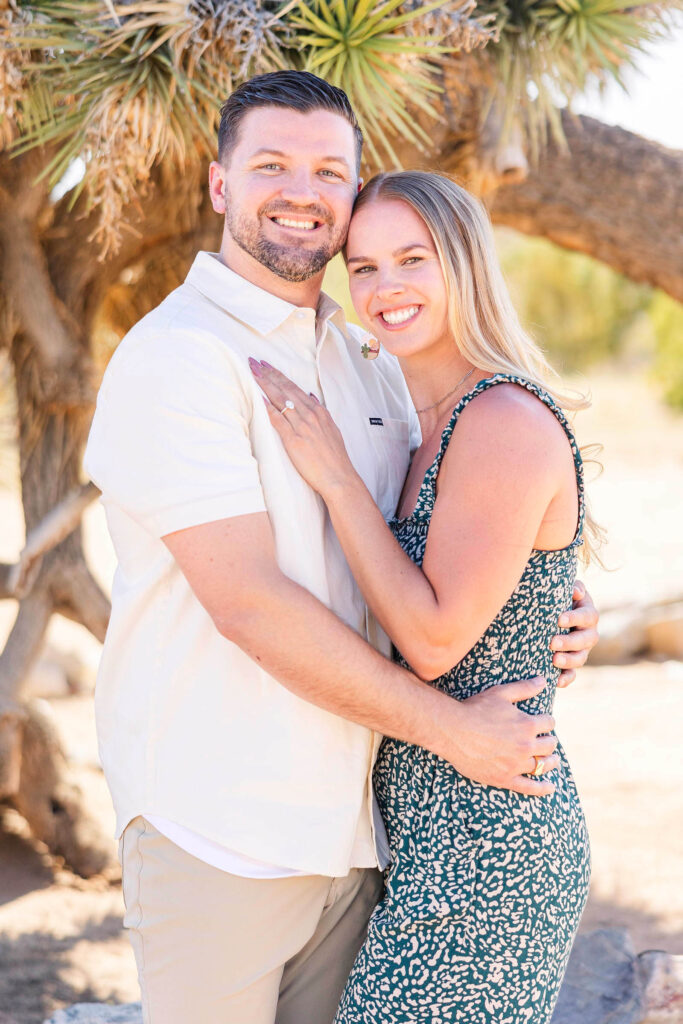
(397,285)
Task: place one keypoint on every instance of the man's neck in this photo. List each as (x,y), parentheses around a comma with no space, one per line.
(299,293)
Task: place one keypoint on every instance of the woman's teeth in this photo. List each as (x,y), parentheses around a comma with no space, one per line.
(399,316)
(306,225)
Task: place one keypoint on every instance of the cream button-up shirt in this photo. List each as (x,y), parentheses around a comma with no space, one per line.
(191,729)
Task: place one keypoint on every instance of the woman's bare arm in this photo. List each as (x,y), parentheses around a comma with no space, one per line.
(499,475)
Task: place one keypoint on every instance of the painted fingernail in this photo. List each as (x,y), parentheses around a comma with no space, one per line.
(267,365)
(314,397)
(254,367)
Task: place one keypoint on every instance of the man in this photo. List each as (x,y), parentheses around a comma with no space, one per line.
(238,702)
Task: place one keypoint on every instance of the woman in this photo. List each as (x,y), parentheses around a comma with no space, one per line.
(486,886)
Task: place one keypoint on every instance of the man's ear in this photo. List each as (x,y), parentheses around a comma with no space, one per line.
(217,177)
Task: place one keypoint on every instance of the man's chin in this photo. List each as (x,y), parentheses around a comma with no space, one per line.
(291,268)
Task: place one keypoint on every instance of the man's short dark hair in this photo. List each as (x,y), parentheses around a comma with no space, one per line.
(295,90)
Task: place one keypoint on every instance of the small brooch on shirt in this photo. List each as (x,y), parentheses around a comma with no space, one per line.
(370,348)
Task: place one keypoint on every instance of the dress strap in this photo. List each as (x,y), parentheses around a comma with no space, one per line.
(427,495)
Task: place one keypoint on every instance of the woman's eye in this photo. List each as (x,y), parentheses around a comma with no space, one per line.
(270,167)
(362,270)
(412,259)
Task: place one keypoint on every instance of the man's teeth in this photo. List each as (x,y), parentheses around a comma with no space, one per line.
(399,316)
(307,225)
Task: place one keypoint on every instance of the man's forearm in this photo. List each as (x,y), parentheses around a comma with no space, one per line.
(303,645)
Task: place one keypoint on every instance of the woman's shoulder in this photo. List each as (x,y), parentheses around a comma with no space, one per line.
(509,419)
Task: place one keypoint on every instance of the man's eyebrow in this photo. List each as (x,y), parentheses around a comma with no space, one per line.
(336,160)
(266,151)
(270,152)
(396,252)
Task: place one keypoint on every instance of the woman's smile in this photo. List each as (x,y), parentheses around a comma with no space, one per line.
(399,317)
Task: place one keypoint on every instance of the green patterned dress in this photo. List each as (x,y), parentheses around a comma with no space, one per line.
(486,887)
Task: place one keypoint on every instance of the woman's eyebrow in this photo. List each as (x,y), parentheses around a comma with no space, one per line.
(397,252)
(413,245)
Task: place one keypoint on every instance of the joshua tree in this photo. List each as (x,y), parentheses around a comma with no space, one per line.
(129,91)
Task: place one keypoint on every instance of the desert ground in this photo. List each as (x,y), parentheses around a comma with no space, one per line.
(60,937)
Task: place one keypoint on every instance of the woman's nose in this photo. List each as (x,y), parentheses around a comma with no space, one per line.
(387,283)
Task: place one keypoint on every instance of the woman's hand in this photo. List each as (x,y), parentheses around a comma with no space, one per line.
(575,646)
(310,435)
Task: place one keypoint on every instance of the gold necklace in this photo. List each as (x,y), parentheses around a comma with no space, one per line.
(448,393)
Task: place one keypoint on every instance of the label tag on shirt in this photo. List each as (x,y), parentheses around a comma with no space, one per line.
(376,421)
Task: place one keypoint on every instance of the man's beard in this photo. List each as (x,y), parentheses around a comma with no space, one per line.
(287,261)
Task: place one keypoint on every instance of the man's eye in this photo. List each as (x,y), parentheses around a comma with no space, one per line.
(328,173)
(270,167)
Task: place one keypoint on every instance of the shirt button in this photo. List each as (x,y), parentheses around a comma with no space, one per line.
(301,315)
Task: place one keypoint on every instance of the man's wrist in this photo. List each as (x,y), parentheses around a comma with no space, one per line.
(444,725)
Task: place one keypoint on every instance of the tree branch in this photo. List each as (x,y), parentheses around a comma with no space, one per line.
(23,644)
(16,580)
(83,600)
(27,283)
(614,196)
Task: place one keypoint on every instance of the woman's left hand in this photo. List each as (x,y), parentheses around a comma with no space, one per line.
(575,646)
(310,435)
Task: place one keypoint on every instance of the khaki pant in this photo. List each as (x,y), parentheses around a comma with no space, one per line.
(215,948)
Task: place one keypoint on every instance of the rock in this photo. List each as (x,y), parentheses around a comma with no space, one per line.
(602,984)
(98,1013)
(46,680)
(661,979)
(622,637)
(664,631)
(57,673)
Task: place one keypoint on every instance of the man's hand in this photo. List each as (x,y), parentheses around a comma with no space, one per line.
(573,648)
(497,744)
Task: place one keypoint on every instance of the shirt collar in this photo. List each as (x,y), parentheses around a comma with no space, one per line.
(254,306)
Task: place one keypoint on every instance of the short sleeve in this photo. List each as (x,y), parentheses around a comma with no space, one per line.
(169,442)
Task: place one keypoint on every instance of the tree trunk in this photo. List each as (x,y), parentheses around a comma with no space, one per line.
(50,356)
(614,196)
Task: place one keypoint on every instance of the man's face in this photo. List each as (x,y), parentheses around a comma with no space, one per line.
(289,187)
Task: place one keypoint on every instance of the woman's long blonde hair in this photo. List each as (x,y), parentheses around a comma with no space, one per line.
(482,319)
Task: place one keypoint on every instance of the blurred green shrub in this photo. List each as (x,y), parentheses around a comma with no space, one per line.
(667,320)
(580,311)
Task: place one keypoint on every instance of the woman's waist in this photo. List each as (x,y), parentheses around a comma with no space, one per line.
(410,781)
(470,677)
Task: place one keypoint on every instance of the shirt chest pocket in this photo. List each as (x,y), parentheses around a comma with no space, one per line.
(389,453)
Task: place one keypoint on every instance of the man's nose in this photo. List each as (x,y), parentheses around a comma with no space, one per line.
(300,187)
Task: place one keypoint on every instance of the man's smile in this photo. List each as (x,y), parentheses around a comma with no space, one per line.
(299,225)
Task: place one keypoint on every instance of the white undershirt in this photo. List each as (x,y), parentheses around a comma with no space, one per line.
(216,855)
(246,867)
